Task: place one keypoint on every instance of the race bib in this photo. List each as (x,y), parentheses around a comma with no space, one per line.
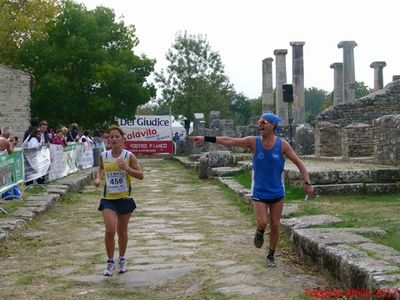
(116,182)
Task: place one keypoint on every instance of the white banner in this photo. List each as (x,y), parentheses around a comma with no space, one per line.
(37,162)
(147,128)
(66,160)
(87,160)
(57,169)
(148,134)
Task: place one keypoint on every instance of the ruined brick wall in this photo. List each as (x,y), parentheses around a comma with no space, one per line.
(15,98)
(357,140)
(387,140)
(327,139)
(366,109)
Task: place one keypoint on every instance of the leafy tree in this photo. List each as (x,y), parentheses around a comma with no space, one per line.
(85,69)
(255,107)
(315,101)
(242,109)
(21,21)
(362,89)
(194,81)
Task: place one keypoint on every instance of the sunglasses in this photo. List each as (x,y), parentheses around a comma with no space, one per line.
(263,122)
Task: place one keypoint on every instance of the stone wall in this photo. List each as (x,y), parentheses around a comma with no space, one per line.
(387,139)
(304,139)
(357,140)
(15,98)
(327,139)
(366,109)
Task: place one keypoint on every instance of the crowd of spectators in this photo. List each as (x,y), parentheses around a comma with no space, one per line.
(39,133)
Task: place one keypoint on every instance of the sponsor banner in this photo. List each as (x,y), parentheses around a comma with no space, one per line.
(11,169)
(69,159)
(148,134)
(37,162)
(150,147)
(87,160)
(57,169)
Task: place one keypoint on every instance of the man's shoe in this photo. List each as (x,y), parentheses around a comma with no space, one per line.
(258,239)
(110,267)
(123,267)
(271,262)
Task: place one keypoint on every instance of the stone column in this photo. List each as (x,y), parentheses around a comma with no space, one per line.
(338,83)
(267,97)
(349,78)
(298,106)
(280,65)
(378,74)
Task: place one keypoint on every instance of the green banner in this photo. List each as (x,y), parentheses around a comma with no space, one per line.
(11,169)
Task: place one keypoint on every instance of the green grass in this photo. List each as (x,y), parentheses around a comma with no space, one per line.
(354,210)
(292,192)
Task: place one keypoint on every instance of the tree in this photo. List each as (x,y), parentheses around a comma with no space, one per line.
(21,21)
(242,109)
(85,69)
(362,89)
(315,101)
(194,81)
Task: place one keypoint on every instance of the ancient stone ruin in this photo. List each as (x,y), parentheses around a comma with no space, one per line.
(366,127)
(15,98)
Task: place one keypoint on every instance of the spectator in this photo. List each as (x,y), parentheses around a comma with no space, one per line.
(73,134)
(6,133)
(176,137)
(6,145)
(34,139)
(44,136)
(59,139)
(86,137)
(34,122)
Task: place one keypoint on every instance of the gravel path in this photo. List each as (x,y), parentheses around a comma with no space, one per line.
(186,241)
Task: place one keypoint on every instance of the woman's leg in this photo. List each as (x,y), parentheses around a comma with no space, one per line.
(122,230)
(275,212)
(110,219)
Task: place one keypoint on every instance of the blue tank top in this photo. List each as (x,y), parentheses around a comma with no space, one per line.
(268,165)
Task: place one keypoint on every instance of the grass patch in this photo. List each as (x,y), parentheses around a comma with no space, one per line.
(10,206)
(291,193)
(237,201)
(354,210)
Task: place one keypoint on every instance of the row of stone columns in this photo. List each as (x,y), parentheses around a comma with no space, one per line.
(344,80)
(298,106)
(344,75)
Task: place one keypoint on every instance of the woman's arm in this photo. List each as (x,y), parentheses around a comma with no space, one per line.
(100,172)
(289,152)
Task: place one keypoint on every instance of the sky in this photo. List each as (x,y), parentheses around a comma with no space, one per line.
(244,32)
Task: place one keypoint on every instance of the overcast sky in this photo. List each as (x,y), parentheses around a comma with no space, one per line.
(244,32)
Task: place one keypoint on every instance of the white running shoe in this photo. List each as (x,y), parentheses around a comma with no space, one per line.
(110,267)
(123,267)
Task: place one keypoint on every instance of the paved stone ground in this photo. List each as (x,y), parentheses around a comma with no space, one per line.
(186,241)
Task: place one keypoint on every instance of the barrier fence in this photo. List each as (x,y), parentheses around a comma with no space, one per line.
(12,171)
(54,161)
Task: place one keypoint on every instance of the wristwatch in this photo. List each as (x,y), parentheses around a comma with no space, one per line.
(307,182)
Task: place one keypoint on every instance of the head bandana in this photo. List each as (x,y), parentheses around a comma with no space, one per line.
(272,118)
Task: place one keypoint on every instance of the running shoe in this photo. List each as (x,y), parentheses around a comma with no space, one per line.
(123,267)
(258,239)
(110,267)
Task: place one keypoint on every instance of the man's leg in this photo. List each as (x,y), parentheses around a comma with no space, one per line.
(261,216)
